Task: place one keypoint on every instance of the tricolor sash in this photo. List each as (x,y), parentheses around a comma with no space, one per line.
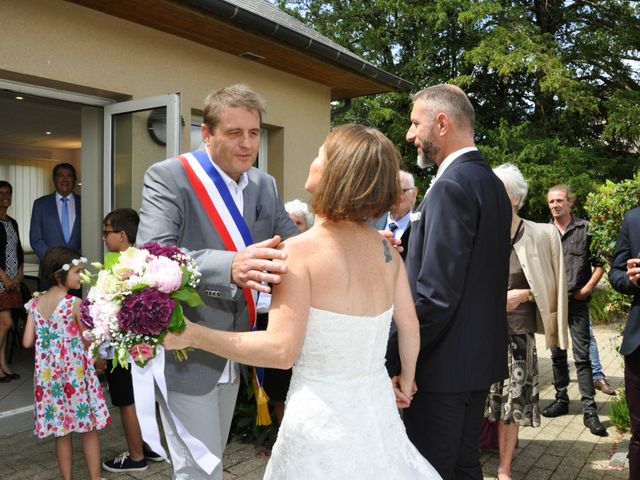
(214,195)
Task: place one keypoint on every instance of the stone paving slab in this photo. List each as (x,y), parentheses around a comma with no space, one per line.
(560,449)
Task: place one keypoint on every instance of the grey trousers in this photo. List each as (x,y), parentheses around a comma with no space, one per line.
(206,417)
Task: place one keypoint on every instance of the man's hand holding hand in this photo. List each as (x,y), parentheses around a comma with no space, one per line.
(633,271)
(404,391)
(255,264)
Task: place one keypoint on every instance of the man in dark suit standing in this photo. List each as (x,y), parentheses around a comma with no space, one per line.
(55,218)
(399,218)
(625,278)
(458,267)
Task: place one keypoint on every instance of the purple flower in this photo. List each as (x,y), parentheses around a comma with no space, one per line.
(160,250)
(146,312)
(85,316)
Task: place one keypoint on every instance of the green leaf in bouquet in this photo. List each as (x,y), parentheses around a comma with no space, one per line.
(95,352)
(176,322)
(121,357)
(86,278)
(185,276)
(110,259)
(188,295)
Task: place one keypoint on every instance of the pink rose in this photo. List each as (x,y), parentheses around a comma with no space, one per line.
(166,274)
(141,352)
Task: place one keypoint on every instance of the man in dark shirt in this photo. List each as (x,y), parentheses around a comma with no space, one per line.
(581,280)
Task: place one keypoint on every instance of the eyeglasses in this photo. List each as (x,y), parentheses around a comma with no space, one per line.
(107,232)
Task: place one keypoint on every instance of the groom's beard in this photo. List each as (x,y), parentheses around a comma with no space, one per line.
(427,154)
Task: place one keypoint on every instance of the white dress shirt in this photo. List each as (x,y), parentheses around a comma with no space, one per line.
(448,161)
(402,223)
(71,204)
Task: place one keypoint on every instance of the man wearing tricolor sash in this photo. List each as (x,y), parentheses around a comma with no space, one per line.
(228,215)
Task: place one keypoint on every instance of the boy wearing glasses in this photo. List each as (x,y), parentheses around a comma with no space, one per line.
(120,228)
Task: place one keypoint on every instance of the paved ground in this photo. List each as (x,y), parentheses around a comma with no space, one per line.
(562,448)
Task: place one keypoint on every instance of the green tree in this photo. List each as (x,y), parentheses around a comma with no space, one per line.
(555,83)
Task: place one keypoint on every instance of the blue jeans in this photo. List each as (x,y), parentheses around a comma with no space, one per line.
(596,366)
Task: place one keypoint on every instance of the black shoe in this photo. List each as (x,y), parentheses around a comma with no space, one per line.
(123,463)
(556,409)
(151,456)
(12,376)
(592,422)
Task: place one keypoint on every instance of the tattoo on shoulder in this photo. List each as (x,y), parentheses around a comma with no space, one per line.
(387,251)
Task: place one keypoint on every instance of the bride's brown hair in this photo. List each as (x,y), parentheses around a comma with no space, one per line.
(360,178)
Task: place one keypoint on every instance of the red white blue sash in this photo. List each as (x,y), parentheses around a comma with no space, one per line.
(214,195)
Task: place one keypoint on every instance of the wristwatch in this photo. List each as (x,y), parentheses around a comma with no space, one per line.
(530,297)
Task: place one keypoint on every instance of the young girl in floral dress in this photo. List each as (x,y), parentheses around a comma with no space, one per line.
(68,396)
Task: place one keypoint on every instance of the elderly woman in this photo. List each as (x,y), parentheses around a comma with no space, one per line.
(300,215)
(536,303)
(11,263)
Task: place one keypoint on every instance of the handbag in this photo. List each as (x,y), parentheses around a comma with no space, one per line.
(489,436)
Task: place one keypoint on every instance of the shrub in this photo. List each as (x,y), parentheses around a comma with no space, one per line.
(619,412)
(606,208)
(607,305)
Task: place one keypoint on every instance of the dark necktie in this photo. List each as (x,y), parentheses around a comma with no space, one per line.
(393,226)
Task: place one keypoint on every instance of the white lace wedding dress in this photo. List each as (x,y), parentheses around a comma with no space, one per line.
(341,420)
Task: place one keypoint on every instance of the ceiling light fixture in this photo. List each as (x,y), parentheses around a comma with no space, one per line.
(19,98)
(48,133)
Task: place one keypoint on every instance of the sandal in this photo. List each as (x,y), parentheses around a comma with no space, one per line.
(10,376)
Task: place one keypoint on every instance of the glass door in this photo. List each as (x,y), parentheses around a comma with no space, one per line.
(137,134)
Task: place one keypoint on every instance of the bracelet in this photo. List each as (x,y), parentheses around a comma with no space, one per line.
(530,297)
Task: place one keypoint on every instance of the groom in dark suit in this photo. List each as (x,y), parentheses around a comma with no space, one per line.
(458,267)
(625,278)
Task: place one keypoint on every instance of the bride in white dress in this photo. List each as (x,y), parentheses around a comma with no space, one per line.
(330,318)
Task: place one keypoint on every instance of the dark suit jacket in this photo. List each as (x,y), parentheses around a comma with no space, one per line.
(405,242)
(46,231)
(628,246)
(458,267)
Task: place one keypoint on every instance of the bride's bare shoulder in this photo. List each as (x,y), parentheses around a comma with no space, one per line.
(302,244)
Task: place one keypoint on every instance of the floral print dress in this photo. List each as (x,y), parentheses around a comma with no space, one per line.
(68,395)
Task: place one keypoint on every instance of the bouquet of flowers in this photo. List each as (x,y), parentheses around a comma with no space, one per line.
(136,299)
